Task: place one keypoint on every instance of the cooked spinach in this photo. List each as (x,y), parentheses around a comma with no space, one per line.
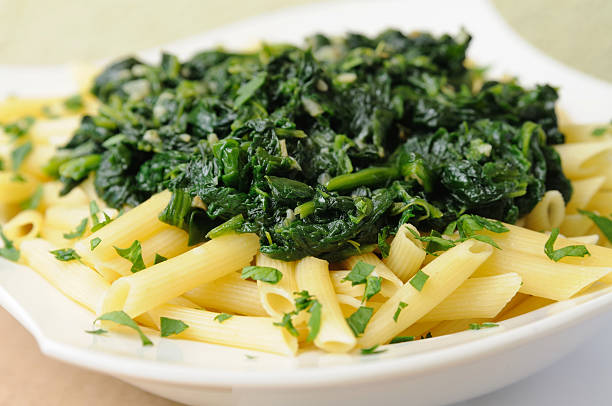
(322,150)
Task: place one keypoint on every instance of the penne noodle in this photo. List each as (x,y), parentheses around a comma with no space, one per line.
(446,273)
(585,239)
(406,253)
(548,213)
(575,225)
(8,211)
(601,202)
(583,193)
(455,326)
(156,285)
(584,132)
(277,299)
(542,276)
(75,280)
(51,196)
(139,223)
(529,304)
(24,226)
(584,159)
(483,297)
(390,282)
(16,188)
(229,294)
(254,333)
(518,298)
(335,335)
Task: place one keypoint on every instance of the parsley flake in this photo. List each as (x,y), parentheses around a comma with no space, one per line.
(94,243)
(121,317)
(400,307)
(98,331)
(401,339)
(159,258)
(371,350)
(569,251)
(8,251)
(19,154)
(418,280)
(33,201)
(360,319)
(133,254)
(171,326)
(79,231)
(65,254)
(221,317)
(261,273)
(478,326)
(373,286)
(359,273)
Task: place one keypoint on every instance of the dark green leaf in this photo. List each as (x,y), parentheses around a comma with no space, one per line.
(248,89)
(359,273)
(159,258)
(373,285)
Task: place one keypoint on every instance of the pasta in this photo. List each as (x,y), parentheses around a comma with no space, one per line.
(266,228)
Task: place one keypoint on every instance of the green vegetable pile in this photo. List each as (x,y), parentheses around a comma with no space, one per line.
(322,150)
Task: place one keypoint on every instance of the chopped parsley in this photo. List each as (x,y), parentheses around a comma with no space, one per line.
(120,317)
(98,331)
(603,223)
(221,317)
(261,273)
(569,251)
(314,322)
(159,258)
(96,223)
(74,103)
(372,350)
(133,254)
(304,301)
(599,131)
(418,280)
(478,326)
(20,127)
(79,231)
(94,243)
(171,326)
(32,202)
(8,251)
(359,273)
(65,254)
(400,307)
(401,339)
(19,154)
(373,286)
(360,319)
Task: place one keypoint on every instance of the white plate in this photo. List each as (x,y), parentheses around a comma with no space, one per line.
(430,371)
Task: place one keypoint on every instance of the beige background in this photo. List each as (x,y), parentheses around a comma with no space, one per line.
(577,32)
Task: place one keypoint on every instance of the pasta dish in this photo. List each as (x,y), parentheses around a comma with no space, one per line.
(349,194)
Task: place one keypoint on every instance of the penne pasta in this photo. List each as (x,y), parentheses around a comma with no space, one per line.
(583,159)
(548,213)
(255,333)
(156,285)
(312,275)
(277,299)
(229,294)
(75,280)
(51,196)
(406,253)
(575,225)
(446,273)
(528,304)
(483,297)
(583,193)
(24,226)
(455,326)
(16,188)
(390,282)
(584,132)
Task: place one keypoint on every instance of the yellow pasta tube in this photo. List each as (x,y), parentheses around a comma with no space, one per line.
(335,335)
(168,242)
(446,273)
(56,237)
(584,159)
(584,132)
(137,224)
(601,202)
(254,333)
(36,159)
(542,276)
(527,305)
(390,282)
(56,132)
(406,254)
(477,298)
(575,225)
(8,211)
(585,239)
(151,287)
(16,188)
(24,226)
(67,218)
(75,280)
(583,193)
(548,213)
(51,196)
(455,326)
(277,299)
(518,298)
(229,294)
